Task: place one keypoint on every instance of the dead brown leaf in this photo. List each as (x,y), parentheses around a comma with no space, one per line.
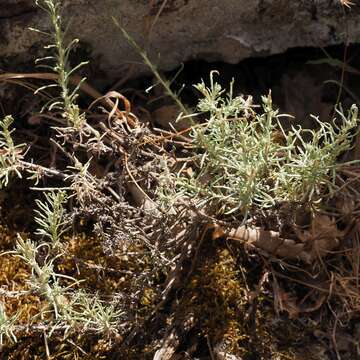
(287,303)
(269,241)
(323,236)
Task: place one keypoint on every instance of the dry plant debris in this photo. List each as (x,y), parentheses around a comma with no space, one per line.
(347,3)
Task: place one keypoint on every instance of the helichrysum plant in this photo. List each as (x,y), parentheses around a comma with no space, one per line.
(66,102)
(7,326)
(310,169)
(246,160)
(68,308)
(10,154)
(50,217)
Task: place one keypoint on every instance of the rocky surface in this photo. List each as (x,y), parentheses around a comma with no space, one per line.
(175,31)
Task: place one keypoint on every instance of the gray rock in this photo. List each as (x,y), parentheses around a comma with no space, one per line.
(222,30)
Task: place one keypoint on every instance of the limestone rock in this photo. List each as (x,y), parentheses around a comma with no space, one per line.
(175,31)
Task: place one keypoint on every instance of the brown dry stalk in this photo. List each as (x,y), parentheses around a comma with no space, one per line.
(75,80)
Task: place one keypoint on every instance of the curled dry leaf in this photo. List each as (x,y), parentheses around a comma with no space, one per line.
(115,106)
(346,207)
(322,238)
(76,80)
(288,303)
(269,241)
